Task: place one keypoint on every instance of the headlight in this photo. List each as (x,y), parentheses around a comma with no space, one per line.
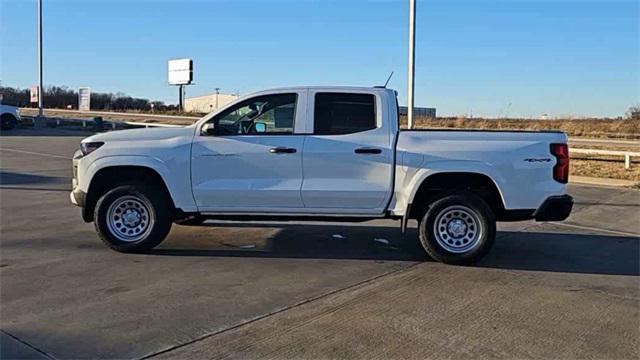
(89,147)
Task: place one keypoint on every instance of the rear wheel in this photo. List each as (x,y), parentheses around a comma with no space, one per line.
(458,229)
(133,218)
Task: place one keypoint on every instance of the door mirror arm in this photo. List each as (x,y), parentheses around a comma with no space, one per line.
(209,129)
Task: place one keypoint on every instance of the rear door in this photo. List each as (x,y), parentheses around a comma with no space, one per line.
(347,160)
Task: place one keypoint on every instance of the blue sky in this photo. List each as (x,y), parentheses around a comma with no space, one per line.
(488,58)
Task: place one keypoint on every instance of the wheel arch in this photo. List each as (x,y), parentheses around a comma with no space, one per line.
(108,177)
(433,184)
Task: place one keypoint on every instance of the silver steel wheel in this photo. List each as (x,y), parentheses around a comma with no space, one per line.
(130,218)
(457,229)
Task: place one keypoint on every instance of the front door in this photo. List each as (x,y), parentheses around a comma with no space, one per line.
(251,161)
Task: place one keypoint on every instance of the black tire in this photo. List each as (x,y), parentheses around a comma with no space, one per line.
(8,122)
(456,212)
(150,201)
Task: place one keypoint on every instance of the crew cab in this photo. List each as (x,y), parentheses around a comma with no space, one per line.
(9,116)
(320,153)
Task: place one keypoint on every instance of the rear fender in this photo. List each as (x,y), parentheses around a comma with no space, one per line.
(459,166)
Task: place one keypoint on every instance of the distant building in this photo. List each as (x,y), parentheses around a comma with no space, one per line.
(208,103)
(419,111)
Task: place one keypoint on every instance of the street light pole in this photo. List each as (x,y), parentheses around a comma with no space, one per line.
(412,58)
(40,87)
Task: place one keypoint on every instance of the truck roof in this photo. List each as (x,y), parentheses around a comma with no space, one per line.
(329,88)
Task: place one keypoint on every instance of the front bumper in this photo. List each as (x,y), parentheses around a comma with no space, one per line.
(78,197)
(554,208)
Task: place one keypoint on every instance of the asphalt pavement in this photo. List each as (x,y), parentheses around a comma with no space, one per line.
(294,290)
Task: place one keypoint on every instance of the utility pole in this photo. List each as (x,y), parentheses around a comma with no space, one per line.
(40,87)
(412,58)
(217,93)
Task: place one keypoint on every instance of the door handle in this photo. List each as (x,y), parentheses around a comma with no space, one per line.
(368,151)
(282,150)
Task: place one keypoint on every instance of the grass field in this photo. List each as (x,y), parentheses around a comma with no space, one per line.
(581,165)
(602,128)
(605,128)
(604,168)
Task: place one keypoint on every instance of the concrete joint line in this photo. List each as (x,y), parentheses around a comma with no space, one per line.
(278,311)
(623,233)
(41,352)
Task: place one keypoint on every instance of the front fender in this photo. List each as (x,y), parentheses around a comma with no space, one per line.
(175,176)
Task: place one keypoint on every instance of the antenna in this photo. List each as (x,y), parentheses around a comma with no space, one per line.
(389,78)
(385,84)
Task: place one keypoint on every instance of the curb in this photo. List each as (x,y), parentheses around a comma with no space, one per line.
(587,180)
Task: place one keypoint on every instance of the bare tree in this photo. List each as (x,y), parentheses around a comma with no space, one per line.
(59,97)
(634,112)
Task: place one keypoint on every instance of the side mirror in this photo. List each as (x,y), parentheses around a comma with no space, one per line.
(260,127)
(209,128)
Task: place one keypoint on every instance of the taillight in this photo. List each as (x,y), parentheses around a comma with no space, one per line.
(561,169)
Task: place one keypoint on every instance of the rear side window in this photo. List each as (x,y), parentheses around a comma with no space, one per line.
(343,113)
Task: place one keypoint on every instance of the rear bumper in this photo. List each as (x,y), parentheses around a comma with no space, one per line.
(554,208)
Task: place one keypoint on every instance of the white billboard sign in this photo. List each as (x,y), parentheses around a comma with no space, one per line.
(33,94)
(180,71)
(84,99)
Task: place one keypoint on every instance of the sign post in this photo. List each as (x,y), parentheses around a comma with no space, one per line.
(412,58)
(40,81)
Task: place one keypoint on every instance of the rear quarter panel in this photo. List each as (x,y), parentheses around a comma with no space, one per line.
(519,163)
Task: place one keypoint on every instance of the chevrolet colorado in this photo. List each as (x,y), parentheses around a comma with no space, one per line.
(9,116)
(320,153)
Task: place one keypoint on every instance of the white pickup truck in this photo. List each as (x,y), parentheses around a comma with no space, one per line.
(9,116)
(320,153)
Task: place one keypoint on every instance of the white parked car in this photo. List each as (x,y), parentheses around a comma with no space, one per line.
(320,153)
(9,116)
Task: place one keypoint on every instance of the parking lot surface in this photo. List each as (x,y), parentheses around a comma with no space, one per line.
(291,290)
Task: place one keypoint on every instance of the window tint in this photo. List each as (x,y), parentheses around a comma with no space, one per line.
(269,114)
(343,113)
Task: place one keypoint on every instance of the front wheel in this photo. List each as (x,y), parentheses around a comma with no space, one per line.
(133,218)
(7,122)
(458,229)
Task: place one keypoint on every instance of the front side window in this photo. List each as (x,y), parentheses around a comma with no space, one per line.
(267,114)
(343,113)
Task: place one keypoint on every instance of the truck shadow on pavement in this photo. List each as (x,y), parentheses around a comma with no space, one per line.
(30,131)
(532,251)
(15,178)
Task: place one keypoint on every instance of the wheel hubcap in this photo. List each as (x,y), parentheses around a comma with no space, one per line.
(130,218)
(457,229)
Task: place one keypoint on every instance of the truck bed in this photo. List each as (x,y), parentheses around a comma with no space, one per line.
(519,162)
